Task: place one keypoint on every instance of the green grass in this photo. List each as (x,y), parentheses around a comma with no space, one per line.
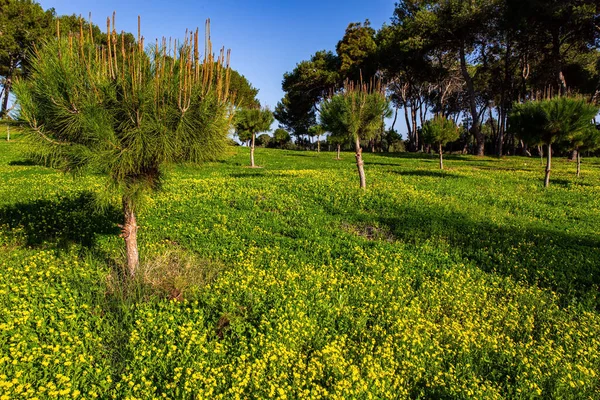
(473,282)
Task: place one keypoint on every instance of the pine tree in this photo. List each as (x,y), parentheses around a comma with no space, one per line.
(125,111)
(438,132)
(249,122)
(355,113)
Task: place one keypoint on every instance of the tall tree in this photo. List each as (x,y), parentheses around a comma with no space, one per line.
(249,122)
(305,87)
(357,52)
(126,112)
(22,24)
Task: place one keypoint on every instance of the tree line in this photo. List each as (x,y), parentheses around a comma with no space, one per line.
(469,61)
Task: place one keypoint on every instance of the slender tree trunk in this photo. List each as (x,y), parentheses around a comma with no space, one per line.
(573,155)
(475,128)
(252,151)
(360,164)
(395,117)
(129,234)
(441,159)
(7,133)
(338,152)
(541,151)
(318,144)
(372,144)
(561,84)
(413,115)
(408,127)
(548,166)
(578,163)
(7,89)
(501,128)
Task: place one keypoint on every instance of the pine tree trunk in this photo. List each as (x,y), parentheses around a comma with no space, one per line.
(408,128)
(129,234)
(475,128)
(578,163)
(395,117)
(548,166)
(252,151)
(413,115)
(338,151)
(360,164)
(318,144)
(441,159)
(7,88)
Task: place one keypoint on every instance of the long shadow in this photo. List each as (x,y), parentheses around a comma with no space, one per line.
(248,175)
(26,163)
(300,155)
(426,173)
(566,263)
(63,221)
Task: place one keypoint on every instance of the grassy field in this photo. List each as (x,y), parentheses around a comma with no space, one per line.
(287,281)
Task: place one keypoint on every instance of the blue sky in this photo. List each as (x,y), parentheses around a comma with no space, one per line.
(267,38)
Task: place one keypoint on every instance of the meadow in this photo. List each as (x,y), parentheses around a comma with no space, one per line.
(289,282)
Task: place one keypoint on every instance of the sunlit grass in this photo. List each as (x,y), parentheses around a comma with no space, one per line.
(472,282)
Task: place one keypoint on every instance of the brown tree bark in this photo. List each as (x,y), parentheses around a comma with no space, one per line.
(7,88)
(252,151)
(578,163)
(338,152)
(413,115)
(129,234)
(360,164)
(548,166)
(441,159)
(395,117)
(475,128)
(318,144)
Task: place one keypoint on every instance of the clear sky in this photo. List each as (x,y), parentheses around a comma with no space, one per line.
(266,37)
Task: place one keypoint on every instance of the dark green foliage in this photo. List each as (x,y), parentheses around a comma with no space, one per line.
(23,23)
(281,136)
(357,52)
(355,113)
(245,94)
(263,140)
(439,131)
(250,121)
(550,121)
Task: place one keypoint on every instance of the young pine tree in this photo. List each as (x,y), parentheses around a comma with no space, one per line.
(127,112)
(355,114)
(249,122)
(584,140)
(550,121)
(317,131)
(439,131)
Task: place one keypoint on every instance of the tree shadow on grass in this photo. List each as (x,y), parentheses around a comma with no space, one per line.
(426,173)
(566,263)
(25,163)
(568,183)
(63,221)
